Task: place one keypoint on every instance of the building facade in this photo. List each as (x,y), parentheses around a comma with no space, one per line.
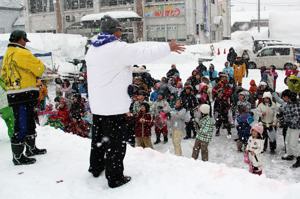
(10,11)
(189,21)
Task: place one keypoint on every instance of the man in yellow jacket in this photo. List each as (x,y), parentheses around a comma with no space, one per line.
(239,71)
(20,70)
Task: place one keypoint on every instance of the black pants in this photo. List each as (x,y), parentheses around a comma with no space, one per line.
(108,145)
(189,128)
(223,119)
(24,122)
(273,144)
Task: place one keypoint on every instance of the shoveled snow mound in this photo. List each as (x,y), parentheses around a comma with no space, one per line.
(62,174)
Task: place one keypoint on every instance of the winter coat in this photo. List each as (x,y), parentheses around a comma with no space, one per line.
(189,101)
(172,72)
(272,77)
(253,87)
(205,130)
(136,107)
(77,110)
(291,115)
(160,106)
(244,103)
(153,96)
(244,122)
(290,72)
(178,119)
(222,91)
(201,68)
(239,71)
(213,76)
(115,70)
(270,118)
(256,146)
(143,129)
(294,83)
(229,71)
(231,55)
(20,65)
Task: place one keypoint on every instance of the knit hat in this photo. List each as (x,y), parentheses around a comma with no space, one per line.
(258,127)
(267,94)
(110,25)
(205,108)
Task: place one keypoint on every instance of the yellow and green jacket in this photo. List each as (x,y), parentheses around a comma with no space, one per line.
(20,68)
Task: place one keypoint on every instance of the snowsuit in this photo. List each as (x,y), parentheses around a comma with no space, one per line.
(239,72)
(222,94)
(177,125)
(269,121)
(143,130)
(42,97)
(204,136)
(252,91)
(159,111)
(256,146)
(294,83)
(244,121)
(6,112)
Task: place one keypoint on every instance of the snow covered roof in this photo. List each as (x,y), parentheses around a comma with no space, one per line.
(114,14)
(20,21)
(247,16)
(11,4)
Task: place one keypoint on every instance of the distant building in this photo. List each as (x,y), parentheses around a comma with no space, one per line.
(192,21)
(10,11)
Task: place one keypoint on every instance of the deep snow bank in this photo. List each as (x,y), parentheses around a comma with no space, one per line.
(62,173)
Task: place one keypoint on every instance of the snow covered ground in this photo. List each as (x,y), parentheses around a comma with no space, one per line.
(62,173)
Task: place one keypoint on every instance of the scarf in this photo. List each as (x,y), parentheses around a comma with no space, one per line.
(104,38)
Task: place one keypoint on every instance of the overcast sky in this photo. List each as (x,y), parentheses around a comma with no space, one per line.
(269,5)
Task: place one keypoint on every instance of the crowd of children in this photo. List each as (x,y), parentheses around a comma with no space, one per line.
(206,103)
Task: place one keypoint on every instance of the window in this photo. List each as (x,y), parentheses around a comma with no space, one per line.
(115,2)
(38,6)
(267,52)
(282,51)
(77,4)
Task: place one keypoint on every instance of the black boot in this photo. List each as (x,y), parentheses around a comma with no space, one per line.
(165,139)
(31,149)
(157,139)
(18,157)
(218,132)
(297,163)
(119,182)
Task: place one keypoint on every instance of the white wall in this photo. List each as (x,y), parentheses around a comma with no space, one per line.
(7,19)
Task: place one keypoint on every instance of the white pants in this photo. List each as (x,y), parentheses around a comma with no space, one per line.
(292,146)
(177,137)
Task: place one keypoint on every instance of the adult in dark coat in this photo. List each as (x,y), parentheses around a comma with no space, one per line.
(231,56)
(173,71)
(189,102)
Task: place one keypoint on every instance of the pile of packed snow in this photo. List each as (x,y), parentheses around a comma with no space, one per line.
(64,47)
(62,174)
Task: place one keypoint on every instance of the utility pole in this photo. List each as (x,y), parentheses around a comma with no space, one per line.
(59,25)
(258,18)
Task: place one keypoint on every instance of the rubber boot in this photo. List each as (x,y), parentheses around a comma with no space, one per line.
(18,157)
(297,163)
(31,148)
(165,139)
(157,138)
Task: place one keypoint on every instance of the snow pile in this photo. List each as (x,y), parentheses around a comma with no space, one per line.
(284,26)
(64,47)
(62,173)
